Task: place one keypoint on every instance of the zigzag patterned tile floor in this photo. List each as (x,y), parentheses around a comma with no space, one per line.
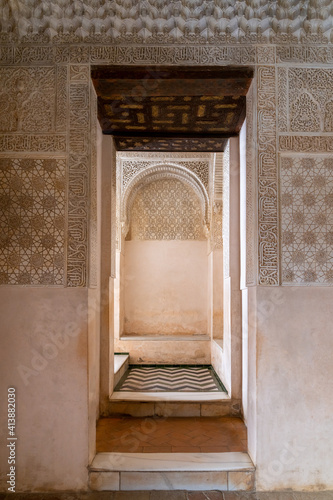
(170,379)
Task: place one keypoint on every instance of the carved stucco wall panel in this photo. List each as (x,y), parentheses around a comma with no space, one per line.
(131,164)
(216,201)
(268,252)
(113,166)
(304,54)
(30,143)
(78,181)
(217,225)
(305,122)
(27,99)
(93,265)
(32,221)
(310,100)
(305,100)
(166,209)
(251,191)
(125,54)
(307,219)
(106,22)
(155,172)
(224,54)
(68,131)
(130,168)
(306,143)
(61,98)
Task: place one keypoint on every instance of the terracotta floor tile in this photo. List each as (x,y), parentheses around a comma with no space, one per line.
(157,443)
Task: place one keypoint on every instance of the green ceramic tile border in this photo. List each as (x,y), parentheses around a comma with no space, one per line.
(218,380)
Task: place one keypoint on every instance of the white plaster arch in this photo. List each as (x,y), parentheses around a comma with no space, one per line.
(163,171)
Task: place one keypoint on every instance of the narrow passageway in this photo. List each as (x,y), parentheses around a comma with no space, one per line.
(171,409)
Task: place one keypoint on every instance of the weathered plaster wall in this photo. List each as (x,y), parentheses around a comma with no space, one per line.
(162,293)
(294,384)
(44,356)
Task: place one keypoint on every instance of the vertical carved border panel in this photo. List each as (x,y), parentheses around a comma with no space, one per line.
(226,211)
(93,191)
(282,99)
(216,202)
(251,232)
(78,179)
(267,177)
(62,98)
(113,163)
(118,202)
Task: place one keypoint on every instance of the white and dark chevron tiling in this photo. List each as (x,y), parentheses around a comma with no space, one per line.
(170,379)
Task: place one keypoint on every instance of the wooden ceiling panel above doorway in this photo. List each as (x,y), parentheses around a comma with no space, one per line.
(171,109)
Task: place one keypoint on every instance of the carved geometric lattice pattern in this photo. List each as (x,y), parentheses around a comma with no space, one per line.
(166,209)
(32,221)
(133,167)
(307,220)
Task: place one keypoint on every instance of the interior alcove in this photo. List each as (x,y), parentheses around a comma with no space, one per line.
(169,273)
(226,90)
(164,244)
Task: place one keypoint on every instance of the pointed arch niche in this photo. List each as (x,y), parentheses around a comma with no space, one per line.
(162,261)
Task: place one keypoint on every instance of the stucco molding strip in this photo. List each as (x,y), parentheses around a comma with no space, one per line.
(268,248)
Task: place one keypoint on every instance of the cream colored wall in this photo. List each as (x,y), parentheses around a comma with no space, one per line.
(166,287)
(93,367)
(119,284)
(44,345)
(215,293)
(249,367)
(166,351)
(294,388)
(230,360)
(105,281)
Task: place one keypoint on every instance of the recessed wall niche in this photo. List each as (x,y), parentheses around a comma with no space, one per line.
(165,242)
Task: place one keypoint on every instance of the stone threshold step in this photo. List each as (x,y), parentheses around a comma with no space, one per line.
(172,471)
(176,408)
(169,396)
